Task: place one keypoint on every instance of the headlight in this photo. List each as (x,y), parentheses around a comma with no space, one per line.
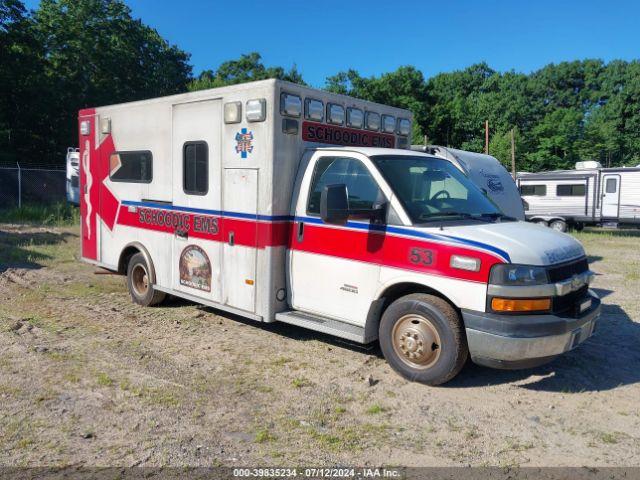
(508,274)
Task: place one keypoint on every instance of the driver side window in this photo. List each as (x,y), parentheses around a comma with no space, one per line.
(361,186)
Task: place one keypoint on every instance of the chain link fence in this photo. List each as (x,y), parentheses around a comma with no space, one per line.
(31,186)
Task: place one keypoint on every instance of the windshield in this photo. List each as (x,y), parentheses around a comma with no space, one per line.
(432,189)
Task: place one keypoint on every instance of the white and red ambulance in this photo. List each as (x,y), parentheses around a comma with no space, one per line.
(279,202)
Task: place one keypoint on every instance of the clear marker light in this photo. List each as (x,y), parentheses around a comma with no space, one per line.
(256,110)
(465,263)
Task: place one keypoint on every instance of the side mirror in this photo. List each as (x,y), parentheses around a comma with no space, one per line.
(334,204)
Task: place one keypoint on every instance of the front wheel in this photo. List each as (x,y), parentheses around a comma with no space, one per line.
(422,338)
(139,282)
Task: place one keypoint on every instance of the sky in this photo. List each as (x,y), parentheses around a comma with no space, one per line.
(324,37)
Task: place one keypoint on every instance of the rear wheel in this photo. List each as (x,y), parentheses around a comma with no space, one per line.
(423,339)
(139,282)
(558,225)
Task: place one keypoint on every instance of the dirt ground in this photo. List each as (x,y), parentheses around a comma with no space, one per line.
(88,378)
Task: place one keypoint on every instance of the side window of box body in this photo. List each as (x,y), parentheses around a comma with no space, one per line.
(195,168)
(131,166)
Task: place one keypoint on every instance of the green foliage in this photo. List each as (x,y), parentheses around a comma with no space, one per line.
(21,78)
(581,110)
(73,54)
(247,68)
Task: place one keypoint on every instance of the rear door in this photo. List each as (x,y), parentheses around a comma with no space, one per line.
(195,212)
(610,196)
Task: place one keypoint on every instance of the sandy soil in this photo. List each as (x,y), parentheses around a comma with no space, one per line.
(88,378)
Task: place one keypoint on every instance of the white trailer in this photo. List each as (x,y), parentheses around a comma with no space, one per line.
(588,195)
(73,175)
(279,202)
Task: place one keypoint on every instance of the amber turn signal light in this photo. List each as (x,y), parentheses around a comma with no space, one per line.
(520,305)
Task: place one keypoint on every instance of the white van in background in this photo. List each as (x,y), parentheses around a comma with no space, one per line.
(73,175)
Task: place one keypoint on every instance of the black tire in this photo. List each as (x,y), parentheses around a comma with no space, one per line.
(414,321)
(140,288)
(578,226)
(558,225)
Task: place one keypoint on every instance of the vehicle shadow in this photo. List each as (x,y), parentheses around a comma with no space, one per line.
(609,359)
(295,332)
(15,247)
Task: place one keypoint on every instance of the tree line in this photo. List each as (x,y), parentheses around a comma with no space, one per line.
(72,54)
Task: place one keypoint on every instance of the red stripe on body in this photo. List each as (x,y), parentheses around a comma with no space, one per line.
(248,233)
(391,251)
(358,245)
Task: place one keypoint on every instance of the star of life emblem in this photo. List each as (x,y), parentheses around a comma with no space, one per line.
(244,141)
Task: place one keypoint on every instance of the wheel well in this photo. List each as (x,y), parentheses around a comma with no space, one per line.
(390,295)
(125,256)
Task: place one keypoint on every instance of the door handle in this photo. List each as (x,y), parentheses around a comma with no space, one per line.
(231,239)
(182,234)
(300,231)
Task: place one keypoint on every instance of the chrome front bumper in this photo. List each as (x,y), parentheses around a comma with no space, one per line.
(523,341)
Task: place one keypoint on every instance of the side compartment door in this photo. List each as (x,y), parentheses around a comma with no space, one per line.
(610,196)
(240,237)
(333,269)
(195,211)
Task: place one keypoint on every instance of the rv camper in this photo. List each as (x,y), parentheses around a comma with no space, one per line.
(487,173)
(72,175)
(588,195)
(278,202)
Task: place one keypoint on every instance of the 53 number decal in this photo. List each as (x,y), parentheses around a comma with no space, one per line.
(421,256)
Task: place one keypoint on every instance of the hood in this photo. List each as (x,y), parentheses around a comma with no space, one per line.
(518,242)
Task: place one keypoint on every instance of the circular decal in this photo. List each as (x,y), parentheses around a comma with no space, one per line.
(195,268)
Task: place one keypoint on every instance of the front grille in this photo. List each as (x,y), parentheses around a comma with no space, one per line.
(569,304)
(563,271)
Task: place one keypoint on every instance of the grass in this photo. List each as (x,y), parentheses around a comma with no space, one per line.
(375,409)
(264,435)
(300,382)
(610,438)
(57,214)
(104,380)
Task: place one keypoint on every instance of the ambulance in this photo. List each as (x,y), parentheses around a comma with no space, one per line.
(279,202)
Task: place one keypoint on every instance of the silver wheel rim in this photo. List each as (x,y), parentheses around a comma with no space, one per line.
(416,341)
(140,280)
(557,226)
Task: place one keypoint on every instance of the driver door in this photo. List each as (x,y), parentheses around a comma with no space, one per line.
(334,270)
